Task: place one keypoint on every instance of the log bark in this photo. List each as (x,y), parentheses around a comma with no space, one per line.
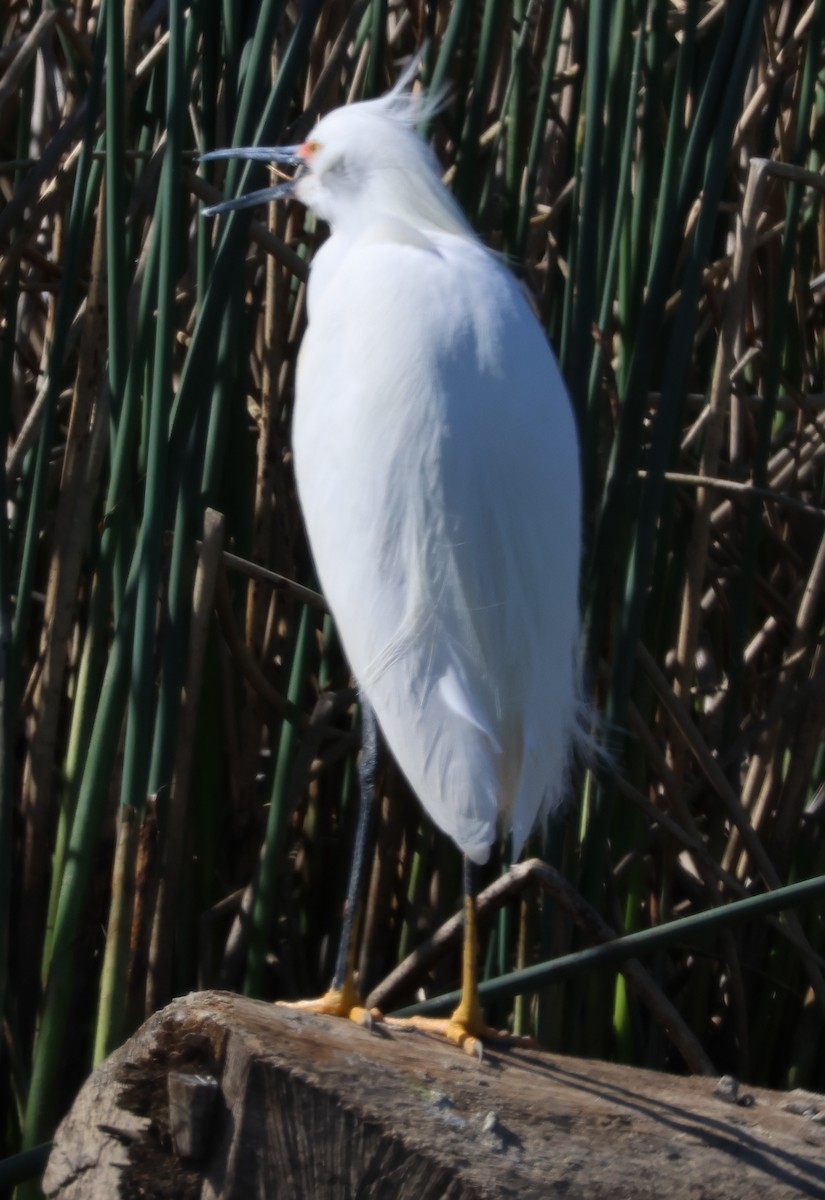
(270,1102)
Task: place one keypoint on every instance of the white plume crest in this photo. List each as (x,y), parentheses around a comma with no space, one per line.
(412,108)
(370,161)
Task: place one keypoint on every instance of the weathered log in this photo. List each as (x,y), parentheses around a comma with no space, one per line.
(269,1102)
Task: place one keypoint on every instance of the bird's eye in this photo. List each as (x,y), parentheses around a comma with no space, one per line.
(337,169)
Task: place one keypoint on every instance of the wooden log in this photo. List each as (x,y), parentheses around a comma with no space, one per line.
(270,1102)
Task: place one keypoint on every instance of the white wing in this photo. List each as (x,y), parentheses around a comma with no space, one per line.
(437,467)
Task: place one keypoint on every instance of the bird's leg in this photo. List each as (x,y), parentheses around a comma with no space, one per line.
(466,1027)
(467,1022)
(342,999)
(343,981)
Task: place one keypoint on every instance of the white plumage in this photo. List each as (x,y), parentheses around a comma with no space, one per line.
(437,466)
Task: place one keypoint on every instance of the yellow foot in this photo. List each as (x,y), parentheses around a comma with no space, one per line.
(337,1002)
(471,1036)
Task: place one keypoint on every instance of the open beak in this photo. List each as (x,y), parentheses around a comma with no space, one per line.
(288,155)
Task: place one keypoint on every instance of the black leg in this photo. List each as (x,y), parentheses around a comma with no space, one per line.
(366,784)
(470,880)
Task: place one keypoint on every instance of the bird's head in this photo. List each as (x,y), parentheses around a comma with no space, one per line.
(362,162)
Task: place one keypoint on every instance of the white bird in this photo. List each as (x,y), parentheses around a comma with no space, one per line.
(437,465)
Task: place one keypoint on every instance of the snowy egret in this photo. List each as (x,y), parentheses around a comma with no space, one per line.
(437,464)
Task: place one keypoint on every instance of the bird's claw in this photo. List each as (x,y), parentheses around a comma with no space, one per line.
(470,1038)
(337,1002)
(371,1018)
